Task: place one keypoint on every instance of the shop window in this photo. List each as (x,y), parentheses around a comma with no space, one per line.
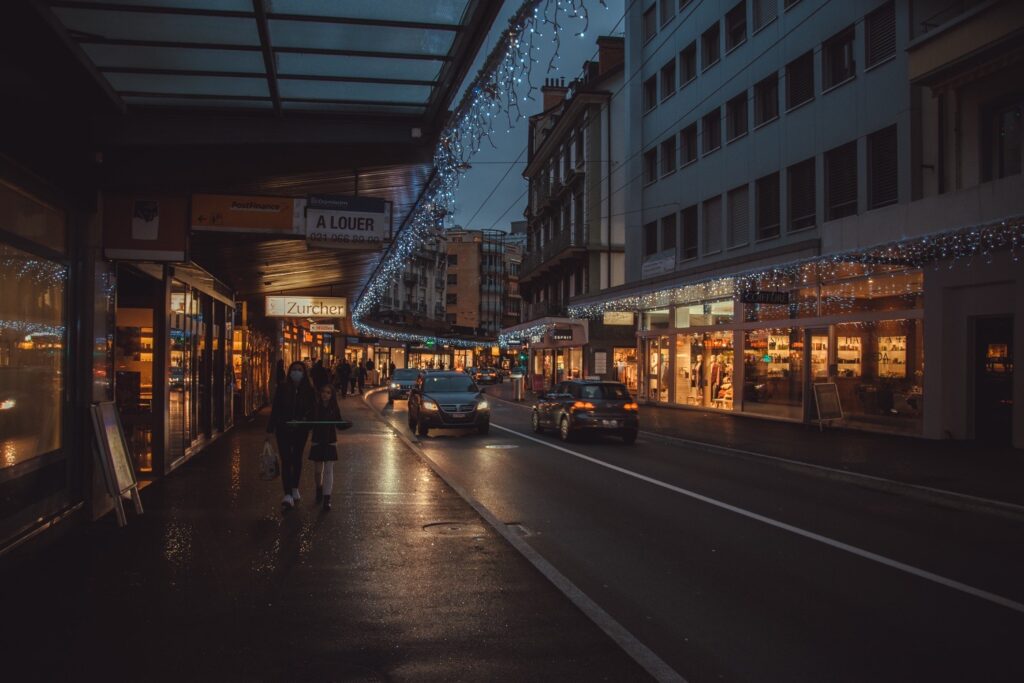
(773,372)
(667,9)
(650,93)
(651,165)
(767,201)
(766,100)
(883,177)
(655,320)
(718,312)
(688,64)
(704,370)
(668,232)
(624,358)
(713,225)
(765,12)
(837,59)
(668,156)
(739,217)
(668,80)
(649,25)
(26,217)
(688,217)
(712,131)
(800,80)
(897,290)
(33,337)
(880,35)
(802,197)
(650,238)
(736,26)
(658,368)
(688,145)
(710,47)
(736,116)
(841,181)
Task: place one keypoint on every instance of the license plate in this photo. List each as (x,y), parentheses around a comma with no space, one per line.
(610,423)
(458,415)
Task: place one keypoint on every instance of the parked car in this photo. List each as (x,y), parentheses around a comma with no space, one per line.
(448,400)
(402,383)
(579,406)
(486,376)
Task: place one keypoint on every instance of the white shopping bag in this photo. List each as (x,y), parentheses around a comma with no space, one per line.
(270,466)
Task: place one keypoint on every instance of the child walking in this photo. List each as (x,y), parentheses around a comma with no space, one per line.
(324,451)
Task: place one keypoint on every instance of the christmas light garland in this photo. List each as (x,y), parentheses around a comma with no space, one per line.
(501,86)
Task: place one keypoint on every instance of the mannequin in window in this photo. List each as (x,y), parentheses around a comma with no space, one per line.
(697,373)
(716,375)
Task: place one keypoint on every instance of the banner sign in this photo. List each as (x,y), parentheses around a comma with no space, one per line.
(753,296)
(320,328)
(561,335)
(347,222)
(235,213)
(306,307)
(618,318)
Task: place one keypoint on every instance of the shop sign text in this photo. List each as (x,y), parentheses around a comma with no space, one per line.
(306,307)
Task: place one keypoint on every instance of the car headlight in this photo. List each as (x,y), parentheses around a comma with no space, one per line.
(429,405)
(483,405)
(395,385)
(8,404)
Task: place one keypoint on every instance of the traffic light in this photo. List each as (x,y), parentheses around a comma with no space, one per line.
(522,356)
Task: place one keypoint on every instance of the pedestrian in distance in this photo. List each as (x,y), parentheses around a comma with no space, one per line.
(319,375)
(370,367)
(294,401)
(324,451)
(391,369)
(344,376)
(361,374)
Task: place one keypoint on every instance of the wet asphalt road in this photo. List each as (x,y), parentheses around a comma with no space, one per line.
(736,570)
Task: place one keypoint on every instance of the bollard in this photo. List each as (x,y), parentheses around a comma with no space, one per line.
(518,382)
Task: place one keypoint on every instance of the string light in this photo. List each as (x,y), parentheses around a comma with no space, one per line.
(501,86)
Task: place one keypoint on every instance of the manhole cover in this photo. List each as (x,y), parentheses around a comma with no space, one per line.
(455,528)
(500,446)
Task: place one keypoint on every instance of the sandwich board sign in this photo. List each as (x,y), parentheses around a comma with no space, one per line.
(114,458)
(826,400)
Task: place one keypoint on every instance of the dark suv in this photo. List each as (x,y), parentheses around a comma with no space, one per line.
(586,406)
(402,383)
(448,400)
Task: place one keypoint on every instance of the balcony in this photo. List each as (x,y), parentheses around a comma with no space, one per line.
(544,309)
(561,246)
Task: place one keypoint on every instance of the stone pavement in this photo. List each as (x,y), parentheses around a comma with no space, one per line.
(961,467)
(401,581)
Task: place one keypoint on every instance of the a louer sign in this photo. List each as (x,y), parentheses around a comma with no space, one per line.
(347,222)
(307,307)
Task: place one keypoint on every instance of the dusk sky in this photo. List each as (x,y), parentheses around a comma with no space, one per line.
(491,167)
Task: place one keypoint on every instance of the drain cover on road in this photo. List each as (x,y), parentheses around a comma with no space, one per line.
(501,446)
(455,528)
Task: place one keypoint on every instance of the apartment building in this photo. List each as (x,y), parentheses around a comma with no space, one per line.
(417,297)
(822,192)
(477,281)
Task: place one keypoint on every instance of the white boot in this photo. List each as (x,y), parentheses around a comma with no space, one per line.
(295,495)
(287,501)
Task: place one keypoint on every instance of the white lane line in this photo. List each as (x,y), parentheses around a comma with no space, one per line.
(846,547)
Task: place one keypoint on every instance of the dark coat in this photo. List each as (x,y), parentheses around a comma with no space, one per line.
(291,402)
(344,372)
(319,375)
(325,436)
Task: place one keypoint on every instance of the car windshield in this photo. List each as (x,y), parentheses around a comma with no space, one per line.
(406,374)
(610,391)
(447,383)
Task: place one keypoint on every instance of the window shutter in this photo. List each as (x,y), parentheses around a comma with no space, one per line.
(739,217)
(880,34)
(713,225)
(768,206)
(690,232)
(882,153)
(802,199)
(841,181)
(764,12)
(800,80)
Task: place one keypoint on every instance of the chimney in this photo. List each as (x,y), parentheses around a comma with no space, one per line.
(611,52)
(553,91)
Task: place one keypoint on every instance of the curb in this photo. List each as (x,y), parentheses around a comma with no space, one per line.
(950,499)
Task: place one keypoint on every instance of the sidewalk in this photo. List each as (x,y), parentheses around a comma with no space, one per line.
(402,580)
(967,468)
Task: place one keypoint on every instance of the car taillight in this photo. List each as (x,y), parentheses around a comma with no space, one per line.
(631,406)
(582,405)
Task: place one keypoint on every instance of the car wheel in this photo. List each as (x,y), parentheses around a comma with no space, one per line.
(537,429)
(484,427)
(629,437)
(564,430)
(421,428)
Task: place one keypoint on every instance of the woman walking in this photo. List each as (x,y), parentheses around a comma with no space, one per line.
(293,401)
(324,451)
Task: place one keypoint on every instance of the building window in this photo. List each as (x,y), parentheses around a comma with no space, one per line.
(802,199)
(736,116)
(837,59)
(882,168)
(713,225)
(880,35)
(1003,154)
(710,49)
(668,79)
(712,124)
(688,145)
(800,80)
(790,3)
(688,216)
(650,27)
(736,26)
(738,206)
(767,199)
(668,232)
(841,181)
(651,238)
(453,259)
(765,12)
(668,10)
(766,100)
(651,165)
(682,4)
(451,299)
(650,93)
(668,155)
(453,278)
(688,64)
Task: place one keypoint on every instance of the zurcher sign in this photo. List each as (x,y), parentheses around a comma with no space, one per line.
(347,222)
(306,307)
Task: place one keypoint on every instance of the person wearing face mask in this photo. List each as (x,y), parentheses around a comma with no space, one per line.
(293,401)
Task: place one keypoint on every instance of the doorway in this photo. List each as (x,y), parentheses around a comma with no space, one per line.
(993,379)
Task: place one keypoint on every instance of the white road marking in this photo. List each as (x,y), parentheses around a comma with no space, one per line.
(839,545)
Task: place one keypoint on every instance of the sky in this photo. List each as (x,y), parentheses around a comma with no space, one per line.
(493,168)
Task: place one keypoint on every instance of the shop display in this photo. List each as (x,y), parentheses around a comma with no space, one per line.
(892,357)
(848,356)
(819,356)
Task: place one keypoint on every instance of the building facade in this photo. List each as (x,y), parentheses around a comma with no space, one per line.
(812,186)
(417,296)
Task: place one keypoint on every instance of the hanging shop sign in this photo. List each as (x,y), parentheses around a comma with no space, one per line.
(561,335)
(322,328)
(652,267)
(145,227)
(755,296)
(618,318)
(306,307)
(238,213)
(347,222)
